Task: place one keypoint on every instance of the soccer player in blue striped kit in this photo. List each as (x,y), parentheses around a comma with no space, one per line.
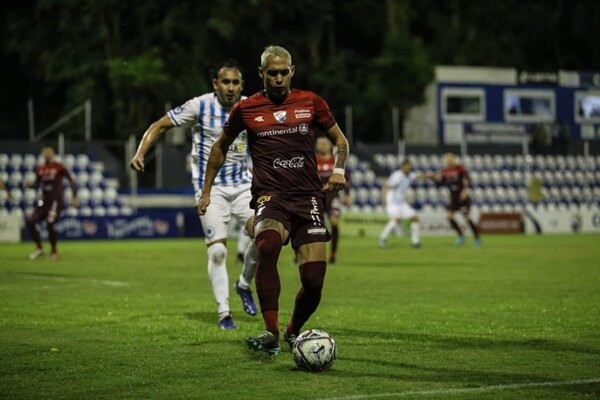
(206,115)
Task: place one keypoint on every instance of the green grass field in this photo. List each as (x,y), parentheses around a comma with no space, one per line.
(136,319)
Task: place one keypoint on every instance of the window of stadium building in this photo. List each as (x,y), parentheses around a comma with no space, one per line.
(463,104)
(587,107)
(529,105)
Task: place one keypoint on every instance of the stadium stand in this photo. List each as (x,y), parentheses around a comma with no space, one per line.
(500,182)
(97,192)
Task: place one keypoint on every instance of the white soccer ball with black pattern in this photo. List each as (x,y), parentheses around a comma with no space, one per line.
(314,351)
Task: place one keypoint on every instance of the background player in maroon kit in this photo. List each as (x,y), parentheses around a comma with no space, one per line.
(287,193)
(456,178)
(49,176)
(325,165)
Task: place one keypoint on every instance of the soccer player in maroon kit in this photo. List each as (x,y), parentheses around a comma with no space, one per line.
(49,176)
(287,194)
(456,178)
(325,166)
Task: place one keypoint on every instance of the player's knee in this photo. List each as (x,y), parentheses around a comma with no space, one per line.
(217,253)
(265,243)
(312,277)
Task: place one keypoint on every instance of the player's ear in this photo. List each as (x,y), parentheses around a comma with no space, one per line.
(261,72)
(215,84)
(292,70)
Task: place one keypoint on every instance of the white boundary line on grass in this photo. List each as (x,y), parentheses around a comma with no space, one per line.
(479,389)
(77,279)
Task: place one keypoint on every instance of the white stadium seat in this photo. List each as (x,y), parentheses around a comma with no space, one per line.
(71,212)
(4,160)
(126,210)
(69,161)
(83,194)
(391,162)
(16,178)
(96,178)
(369,178)
(99,211)
(352,162)
(16,161)
(30,195)
(112,211)
(379,160)
(82,162)
(110,195)
(357,178)
(29,161)
(97,195)
(4,176)
(18,212)
(83,179)
(85,211)
(375,196)
(16,195)
(3,197)
(29,178)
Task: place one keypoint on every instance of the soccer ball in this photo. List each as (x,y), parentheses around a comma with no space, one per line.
(314,350)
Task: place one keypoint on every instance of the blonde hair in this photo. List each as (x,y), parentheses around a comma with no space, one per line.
(274,51)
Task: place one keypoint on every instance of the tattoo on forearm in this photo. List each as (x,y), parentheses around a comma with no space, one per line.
(342,154)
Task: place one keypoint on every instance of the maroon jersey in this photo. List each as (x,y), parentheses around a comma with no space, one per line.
(281,138)
(455,178)
(50,178)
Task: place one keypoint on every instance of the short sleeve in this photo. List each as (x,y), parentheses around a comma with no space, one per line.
(394,179)
(323,117)
(235,123)
(186,114)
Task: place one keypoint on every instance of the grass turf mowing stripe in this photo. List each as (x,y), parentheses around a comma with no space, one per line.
(479,389)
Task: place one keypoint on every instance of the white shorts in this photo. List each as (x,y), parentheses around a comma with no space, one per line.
(400,211)
(225,202)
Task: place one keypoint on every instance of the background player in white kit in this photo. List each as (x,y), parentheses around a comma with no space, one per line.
(394,201)
(231,196)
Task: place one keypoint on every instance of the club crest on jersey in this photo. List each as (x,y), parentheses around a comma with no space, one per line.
(280,116)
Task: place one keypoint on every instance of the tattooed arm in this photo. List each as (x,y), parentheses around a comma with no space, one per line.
(337,181)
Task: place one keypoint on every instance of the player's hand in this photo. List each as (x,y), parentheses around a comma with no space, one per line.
(348,201)
(203,203)
(464,195)
(75,202)
(335,183)
(137,163)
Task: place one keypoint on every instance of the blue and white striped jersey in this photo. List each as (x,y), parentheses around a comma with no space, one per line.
(399,183)
(206,116)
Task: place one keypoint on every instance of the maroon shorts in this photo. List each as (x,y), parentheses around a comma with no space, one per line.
(301,215)
(458,205)
(47,210)
(332,204)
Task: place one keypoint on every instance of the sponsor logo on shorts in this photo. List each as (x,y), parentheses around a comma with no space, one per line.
(315,214)
(294,162)
(280,116)
(316,231)
(262,200)
(303,128)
